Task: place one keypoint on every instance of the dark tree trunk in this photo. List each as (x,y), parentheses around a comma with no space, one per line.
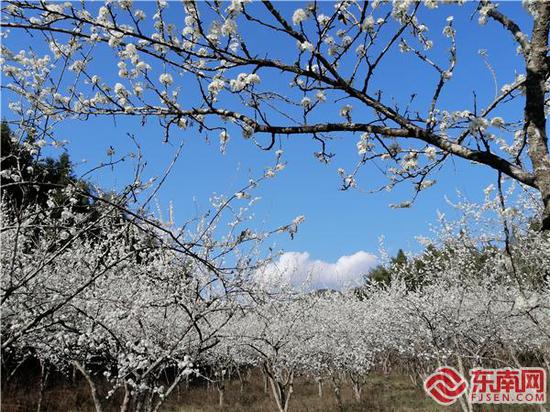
(535,122)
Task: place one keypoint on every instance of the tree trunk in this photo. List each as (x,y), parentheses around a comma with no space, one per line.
(126,401)
(465,404)
(535,121)
(221,394)
(281,390)
(138,401)
(338,395)
(241,380)
(174,386)
(289,391)
(44,370)
(337,384)
(357,389)
(93,388)
(149,395)
(266,382)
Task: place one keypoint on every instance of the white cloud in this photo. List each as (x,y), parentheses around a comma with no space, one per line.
(298,268)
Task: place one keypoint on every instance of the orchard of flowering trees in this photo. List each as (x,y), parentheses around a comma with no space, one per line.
(96,284)
(138,313)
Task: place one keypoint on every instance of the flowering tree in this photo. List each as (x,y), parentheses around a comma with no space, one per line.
(483,299)
(343,344)
(274,334)
(127,299)
(209,67)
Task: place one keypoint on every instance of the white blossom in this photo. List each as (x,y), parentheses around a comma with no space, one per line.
(166,79)
(299,16)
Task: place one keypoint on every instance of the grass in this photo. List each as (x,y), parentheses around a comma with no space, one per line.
(392,393)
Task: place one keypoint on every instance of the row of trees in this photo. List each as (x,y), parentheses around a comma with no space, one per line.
(482,302)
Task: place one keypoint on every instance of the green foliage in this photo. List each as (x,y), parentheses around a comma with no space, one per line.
(382,275)
(38,179)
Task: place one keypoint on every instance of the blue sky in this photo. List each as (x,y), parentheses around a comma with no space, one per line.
(337,223)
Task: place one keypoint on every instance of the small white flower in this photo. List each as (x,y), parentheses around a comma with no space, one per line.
(431,4)
(120,90)
(138,90)
(229,28)
(182,123)
(166,79)
(130,49)
(125,4)
(142,66)
(306,103)
(345,111)
(242,195)
(139,14)
(364,144)
(224,138)
(299,16)
(306,46)
(430,152)
(77,66)
(216,86)
(323,19)
(320,96)
(497,122)
(368,24)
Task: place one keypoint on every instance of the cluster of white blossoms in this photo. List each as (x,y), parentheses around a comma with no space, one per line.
(483,12)
(321,96)
(216,86)
(305,46)
(299,16)
(120,90)
(243,80)
(497,122)
(364,144)
(109,270)
(410,161)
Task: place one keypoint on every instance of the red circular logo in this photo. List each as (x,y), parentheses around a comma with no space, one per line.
(445,385)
